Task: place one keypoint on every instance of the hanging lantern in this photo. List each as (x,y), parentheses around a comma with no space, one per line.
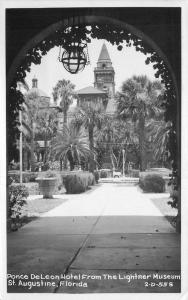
(74,57)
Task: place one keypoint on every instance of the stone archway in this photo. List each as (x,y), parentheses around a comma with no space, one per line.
(86,20)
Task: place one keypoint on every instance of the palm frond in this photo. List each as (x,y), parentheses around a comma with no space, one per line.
(70,141)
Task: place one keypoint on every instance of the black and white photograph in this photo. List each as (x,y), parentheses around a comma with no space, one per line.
(93,136)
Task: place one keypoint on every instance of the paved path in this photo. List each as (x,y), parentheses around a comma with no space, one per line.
(100,238)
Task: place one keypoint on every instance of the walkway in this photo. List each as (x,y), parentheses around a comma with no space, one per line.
(100,240)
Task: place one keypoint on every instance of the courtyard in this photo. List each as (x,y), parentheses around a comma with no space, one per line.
(93,151)
(95,242)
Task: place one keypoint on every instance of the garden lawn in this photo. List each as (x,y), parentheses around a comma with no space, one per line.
(34,208)
(166,209)
(38,206)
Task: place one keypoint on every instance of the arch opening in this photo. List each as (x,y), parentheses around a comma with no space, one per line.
(116,32)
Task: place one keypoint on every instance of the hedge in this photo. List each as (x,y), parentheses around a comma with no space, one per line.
(77,183)
(103,174)
(27,176)
(134,173)
(97,176)
(82,180)
(152,183)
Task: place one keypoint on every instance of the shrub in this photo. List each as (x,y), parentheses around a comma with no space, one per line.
(96,174)
(91,179)
(31,177)
(33,187)
(77,183)
(45,166)
(17,195)
(15,176)
(152,183)
(103,174)
(27,176)
(9,180)
(174,195)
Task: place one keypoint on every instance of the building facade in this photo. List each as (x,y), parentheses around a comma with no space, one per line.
(104,78)
(103,91)
(91,96)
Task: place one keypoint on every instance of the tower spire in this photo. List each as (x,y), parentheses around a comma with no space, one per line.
(104,55)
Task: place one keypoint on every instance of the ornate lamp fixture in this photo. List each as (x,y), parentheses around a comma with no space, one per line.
(74,57)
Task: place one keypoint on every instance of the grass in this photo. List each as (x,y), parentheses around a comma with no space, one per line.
(166,209)
(33,209)
(38,206)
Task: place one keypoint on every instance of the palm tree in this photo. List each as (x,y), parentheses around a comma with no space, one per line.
(159,131)
(64,91)
(46,128)
(109,138)
(109,131)
(118,136)
(139,100)
(91,117)
(71,143)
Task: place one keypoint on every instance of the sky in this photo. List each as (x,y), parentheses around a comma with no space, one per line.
(126,63)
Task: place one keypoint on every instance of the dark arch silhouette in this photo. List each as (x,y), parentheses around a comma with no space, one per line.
(86,20)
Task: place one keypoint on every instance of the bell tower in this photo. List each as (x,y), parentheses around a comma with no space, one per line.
(104,73)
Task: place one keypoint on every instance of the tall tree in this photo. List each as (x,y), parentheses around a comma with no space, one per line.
(140,100)
(114,136)
(159,132)
(64,91)
(46,128)
(91,117)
